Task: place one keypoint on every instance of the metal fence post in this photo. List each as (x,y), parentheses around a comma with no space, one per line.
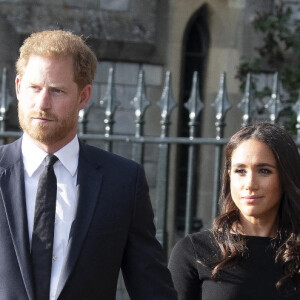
(296,109)
(221,105)
(4,100)
(194,106)
(82,121)
(274,106)
(167,104)
(247,105)
(110,102)
(140,103)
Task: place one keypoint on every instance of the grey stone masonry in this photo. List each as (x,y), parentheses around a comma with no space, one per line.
(96,23)
(116,29)
(117,5)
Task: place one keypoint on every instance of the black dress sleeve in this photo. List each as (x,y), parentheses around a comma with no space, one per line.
(183,267)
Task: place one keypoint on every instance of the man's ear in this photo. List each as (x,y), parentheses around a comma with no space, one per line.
(85,96)
(18,85)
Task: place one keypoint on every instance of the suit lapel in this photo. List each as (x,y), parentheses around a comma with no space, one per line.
(13,195)
(88,187)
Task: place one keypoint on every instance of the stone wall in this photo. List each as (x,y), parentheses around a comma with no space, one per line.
(118,29)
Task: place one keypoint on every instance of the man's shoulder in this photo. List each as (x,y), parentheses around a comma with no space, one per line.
(95,154)
(10,153)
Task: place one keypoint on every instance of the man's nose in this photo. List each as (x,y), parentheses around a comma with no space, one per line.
(43,100)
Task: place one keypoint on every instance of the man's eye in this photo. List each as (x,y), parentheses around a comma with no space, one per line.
(57,91)
(34,88)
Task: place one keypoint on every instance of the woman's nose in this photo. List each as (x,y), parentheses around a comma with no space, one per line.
(251,181)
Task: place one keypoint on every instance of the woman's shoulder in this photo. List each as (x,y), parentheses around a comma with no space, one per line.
(204,244)
(201,245)
(203,236)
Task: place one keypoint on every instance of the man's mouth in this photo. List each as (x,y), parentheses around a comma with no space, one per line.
(42,120)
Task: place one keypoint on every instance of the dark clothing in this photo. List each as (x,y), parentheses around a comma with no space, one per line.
(113,229)
(253,278)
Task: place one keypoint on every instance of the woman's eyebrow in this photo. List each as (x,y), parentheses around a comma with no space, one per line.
(257,165)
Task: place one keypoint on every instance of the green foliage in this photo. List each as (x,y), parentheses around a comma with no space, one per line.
(280,51)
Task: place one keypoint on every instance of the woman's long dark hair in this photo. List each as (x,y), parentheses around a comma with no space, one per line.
(233,246)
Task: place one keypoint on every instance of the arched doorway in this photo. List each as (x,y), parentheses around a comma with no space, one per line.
(194,57)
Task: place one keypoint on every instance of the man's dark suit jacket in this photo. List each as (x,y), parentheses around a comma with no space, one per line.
(113,229)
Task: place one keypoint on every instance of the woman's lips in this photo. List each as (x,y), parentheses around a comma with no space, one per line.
(252,198)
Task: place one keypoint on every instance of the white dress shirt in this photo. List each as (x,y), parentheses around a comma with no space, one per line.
(66,202)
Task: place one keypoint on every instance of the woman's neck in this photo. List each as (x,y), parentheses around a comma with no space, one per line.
(255,227)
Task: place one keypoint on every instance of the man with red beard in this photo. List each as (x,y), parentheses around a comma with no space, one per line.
(101,221)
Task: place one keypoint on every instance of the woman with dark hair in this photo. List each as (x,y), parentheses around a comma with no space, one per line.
(253,249)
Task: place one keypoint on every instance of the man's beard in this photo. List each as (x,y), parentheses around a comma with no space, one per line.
(48,133)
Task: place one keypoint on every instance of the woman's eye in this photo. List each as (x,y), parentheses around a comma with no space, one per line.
(240,171)
(265,171)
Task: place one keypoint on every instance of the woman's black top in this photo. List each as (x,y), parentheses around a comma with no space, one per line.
(253,278)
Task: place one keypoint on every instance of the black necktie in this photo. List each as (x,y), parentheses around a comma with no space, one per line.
(43,229)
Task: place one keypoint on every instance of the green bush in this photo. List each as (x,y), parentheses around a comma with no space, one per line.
(279,52)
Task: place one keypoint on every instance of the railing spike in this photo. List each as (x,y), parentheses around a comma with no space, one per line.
(194,104)
(140,101)
(274,105)
(221,105)
(247,105)
(110,102)
(166,103)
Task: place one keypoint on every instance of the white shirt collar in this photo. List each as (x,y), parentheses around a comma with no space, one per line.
(33,156)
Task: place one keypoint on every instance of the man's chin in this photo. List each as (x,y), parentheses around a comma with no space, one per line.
(43,134)
(43,138)
(49,133)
